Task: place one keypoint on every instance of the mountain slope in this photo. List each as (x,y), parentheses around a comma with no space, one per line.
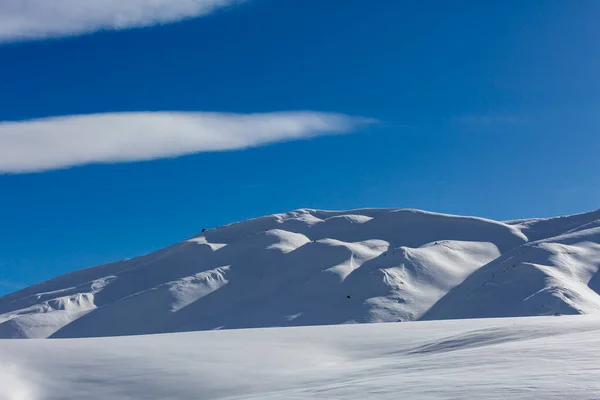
(557,275)
(310,267)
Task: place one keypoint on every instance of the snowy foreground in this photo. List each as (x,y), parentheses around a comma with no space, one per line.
(311,267)
(516,358)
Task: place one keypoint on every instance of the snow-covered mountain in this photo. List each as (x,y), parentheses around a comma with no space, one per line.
(310,267)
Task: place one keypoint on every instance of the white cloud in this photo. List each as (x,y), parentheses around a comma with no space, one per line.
(60,142)
(35,19)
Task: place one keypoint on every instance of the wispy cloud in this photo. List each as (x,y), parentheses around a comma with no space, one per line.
(36,19)
(60,142)
(487,119)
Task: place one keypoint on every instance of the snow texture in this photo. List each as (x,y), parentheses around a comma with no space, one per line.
(310,267)
(522,358)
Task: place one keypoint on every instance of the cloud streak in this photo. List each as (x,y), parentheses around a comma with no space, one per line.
(487,119)
(37,19)
(60,142)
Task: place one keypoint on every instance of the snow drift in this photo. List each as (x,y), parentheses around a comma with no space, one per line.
(310,267)
(523,358)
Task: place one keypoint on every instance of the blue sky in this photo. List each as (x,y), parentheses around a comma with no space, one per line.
(482,108)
